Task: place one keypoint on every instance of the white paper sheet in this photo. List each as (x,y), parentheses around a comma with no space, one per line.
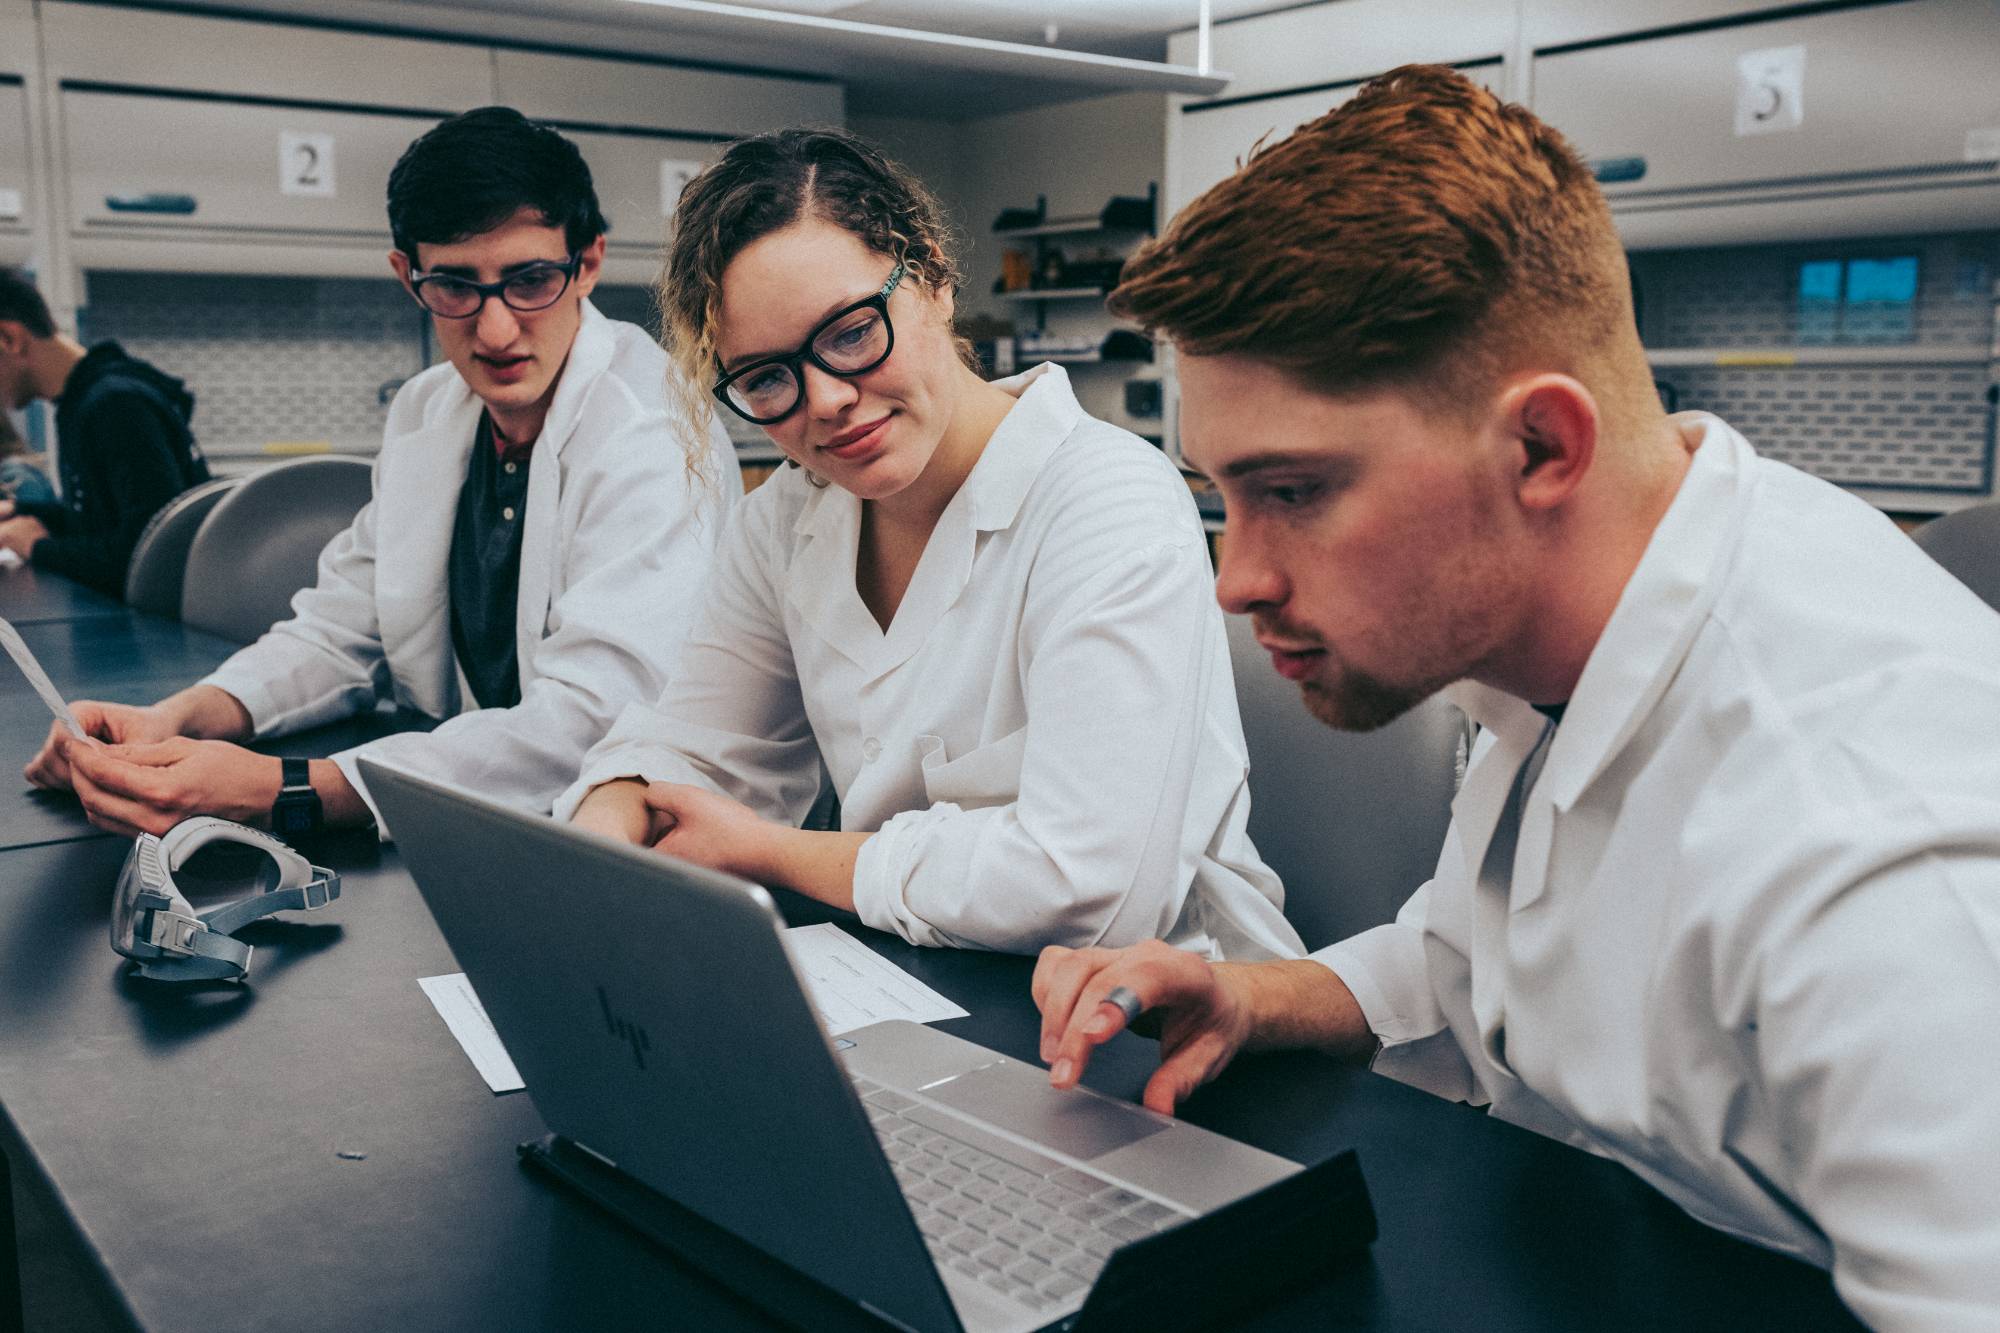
(466,1017)
(852,986)
(17,648)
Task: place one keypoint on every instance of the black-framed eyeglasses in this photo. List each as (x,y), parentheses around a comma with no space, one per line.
(851,341)
(531,287)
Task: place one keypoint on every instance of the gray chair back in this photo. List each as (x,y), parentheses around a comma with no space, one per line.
(261,543)
(159,557)
(1968,544)
(1352,822)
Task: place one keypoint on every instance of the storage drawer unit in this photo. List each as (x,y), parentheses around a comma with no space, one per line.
(241,57)
(582,90)
(1214,137)
(631,173)
(17,195)
(230,169)
(1887,88)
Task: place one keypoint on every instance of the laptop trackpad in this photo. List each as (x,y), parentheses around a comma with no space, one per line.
(1019,1099)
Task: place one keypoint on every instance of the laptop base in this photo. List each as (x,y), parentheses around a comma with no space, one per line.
(1218,1267)
(725,1258)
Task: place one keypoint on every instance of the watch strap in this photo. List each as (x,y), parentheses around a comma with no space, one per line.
(297,809)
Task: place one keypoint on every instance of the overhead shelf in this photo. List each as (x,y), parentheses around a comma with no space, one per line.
(1124,214)
(1052,294)
(1753,358)
(1088,225)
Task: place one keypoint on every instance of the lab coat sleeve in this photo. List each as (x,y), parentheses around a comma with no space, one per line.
(1395,972)
(639,535)
(1083,840)
(731,719)
(326,662)
(1873,1031)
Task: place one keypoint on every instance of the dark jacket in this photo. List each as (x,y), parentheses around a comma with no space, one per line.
(124,449)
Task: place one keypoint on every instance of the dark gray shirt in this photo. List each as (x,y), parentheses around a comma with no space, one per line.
(485,569)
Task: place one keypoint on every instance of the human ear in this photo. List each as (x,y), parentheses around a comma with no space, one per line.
(589,264)
(1553,421)
(940,303)
(399,264)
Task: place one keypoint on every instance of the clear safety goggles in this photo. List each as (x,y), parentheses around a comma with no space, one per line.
(153,923)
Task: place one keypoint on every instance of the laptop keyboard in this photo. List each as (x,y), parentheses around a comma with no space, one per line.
(1023,1224)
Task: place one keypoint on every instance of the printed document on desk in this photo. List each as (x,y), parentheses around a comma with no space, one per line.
(466,1017)
(850,985)
(17,648)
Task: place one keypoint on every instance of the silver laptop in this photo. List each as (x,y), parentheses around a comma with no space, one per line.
(659,1023)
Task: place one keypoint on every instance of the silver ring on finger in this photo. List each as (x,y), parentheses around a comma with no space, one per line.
(1126,1000)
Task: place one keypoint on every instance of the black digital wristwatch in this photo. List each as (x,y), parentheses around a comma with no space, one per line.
(297,809)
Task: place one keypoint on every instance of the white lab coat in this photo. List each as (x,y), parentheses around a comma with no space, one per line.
(1751,946)
(615,551)
(1045,741)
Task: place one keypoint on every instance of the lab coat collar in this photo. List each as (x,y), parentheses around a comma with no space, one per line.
(417,507)
(589,357)
(1636,657)
(1045,412)
(1649,632)
(1658,615)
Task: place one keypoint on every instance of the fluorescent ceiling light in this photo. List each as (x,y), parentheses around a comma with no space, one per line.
(948,48)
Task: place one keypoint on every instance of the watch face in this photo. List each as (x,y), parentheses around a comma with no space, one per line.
(293,817)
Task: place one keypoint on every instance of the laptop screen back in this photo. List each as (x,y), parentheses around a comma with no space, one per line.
(656,1018)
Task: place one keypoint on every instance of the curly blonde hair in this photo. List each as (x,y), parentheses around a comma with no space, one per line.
(764,184)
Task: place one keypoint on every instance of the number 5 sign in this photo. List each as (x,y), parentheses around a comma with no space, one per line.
(305,164)
(1770,90)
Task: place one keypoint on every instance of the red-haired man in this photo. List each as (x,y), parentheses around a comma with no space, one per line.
(1721,894)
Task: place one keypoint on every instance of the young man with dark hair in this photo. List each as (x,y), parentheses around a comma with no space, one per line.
(541,527)
(1720,898)
(122,442)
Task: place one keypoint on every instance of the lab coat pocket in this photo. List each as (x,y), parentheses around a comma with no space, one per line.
(985,776)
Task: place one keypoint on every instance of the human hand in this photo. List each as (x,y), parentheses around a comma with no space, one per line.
(1205,1020)
(19,535)
(698,825)
(149,788)
(119,724)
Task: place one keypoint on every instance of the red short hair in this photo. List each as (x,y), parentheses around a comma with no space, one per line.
(1424,235)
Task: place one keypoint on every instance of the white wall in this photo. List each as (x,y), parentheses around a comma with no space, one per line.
(930,148)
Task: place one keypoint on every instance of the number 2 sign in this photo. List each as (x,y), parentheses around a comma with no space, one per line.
(305,164)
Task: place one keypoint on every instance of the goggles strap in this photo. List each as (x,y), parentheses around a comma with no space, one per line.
(316,893)
(216,957)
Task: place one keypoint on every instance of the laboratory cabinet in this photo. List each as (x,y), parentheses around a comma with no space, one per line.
(17,194)
(234,166)
(638,178)
(198,53)
(1553,23)
(646,128)
(1891,109)
(1315,46)
(1212,138)
(676,100)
